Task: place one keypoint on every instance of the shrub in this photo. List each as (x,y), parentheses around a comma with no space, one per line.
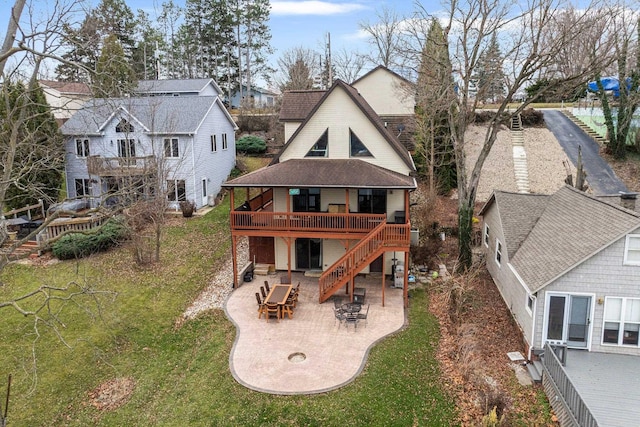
(187,207)
(531,117)
(79,245)
(251,144)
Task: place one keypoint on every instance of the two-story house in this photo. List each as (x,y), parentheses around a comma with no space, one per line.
(182,147)
(335,200)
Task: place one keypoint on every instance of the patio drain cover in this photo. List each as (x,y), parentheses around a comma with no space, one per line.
(297,357)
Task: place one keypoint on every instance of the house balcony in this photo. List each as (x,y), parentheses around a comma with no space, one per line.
(301,224)
(121,166)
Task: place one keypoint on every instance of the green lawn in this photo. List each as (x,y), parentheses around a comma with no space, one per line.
(182,373)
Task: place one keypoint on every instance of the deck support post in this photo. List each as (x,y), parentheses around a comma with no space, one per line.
(383,278)
(234,241)
(405,288)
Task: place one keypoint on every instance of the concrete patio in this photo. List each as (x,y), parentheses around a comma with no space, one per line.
(310,353)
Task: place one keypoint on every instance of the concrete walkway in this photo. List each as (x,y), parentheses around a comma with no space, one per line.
(310,353)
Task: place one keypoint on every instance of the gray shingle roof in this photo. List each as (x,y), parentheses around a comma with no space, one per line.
(317,172)
(571,228)
(174,85)
(163,114)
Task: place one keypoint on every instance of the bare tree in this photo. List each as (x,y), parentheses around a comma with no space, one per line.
(297,68)
(384,36)
(348,64)
(531,39)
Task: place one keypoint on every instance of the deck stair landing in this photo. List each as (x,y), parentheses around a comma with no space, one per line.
(520,167)
(535,370)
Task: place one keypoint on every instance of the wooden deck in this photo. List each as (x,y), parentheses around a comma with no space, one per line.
(607,384)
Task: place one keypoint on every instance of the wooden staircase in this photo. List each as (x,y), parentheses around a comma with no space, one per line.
(382,238)
(22,251)
(585,128)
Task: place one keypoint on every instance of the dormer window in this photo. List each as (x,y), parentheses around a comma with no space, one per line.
(358,149)
(124,126)
(320,147)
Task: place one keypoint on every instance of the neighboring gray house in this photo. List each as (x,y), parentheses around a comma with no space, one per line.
(260,97)
(118,150)
(568,267)
(178,87)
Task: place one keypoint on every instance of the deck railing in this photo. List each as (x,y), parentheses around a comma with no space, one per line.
(305,221)
(553,367)
(59,226)
(354,260)
(120,166)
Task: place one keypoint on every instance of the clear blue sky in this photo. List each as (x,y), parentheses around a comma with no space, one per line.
(293,23)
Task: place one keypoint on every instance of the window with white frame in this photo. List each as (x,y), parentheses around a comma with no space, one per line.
(82,187)
(498,252)
(176,190)
(531,300)
(621,321)
(82,147)
(224,141)
(171,147)
(214,143)
(486,235)
(632,249)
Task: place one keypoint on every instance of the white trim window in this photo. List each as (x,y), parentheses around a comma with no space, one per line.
(214,143)
(621,321)
(531,303)
(498,252)
(225,145)
(486,235)
(82,147)
(176,190)
(82,187)
(632,249)
(171,148)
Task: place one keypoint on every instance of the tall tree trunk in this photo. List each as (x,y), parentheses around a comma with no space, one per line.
(10,36)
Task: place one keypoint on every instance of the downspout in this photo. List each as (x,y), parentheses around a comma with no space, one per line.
(193,168)
(533,327)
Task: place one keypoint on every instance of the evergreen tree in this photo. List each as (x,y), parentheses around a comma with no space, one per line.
(147,51)
(83,45)
(114,75)
(32,149)
(171,14)
(489,74)
(434,96)
(114,17)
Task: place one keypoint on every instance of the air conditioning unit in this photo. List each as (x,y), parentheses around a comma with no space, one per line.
(211,200)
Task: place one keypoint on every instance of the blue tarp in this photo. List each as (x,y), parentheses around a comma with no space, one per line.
(609,83)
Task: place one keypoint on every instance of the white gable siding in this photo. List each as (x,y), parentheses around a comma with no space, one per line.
(603,275)
(289,129)
(513,293)
(339,114)
(387,94)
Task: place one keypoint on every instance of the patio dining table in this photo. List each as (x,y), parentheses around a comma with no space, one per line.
(278,294)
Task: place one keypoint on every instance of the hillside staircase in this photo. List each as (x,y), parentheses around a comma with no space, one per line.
(383,238)
(25,250)
(520,167)
(585,128)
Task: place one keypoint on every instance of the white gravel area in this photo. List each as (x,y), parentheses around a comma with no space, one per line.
(544,161)
(219,288)
(546,175)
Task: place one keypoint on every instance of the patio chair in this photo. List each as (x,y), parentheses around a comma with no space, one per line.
(262,291)
(337,303)
(338,316)
(287,308)
(272,309)
(351,318)
(266,286)
(363,316)
(262,309)
(284,279)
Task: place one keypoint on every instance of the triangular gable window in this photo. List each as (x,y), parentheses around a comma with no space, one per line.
(358,149)
(124,126)
(320,147)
